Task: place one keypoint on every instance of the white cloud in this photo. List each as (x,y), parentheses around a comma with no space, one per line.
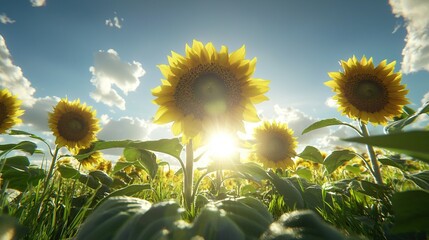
(12,78)
(109,71)
(124,128)
(425,98)
(36,116)
(115,22)
(38,3)
(416,50)
(5,19)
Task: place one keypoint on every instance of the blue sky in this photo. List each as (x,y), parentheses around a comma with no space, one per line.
(61,48)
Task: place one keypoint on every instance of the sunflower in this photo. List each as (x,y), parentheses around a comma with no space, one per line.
(368,93)
(9,110)
(74,124)
(274,145)
(206,88)
(91,162)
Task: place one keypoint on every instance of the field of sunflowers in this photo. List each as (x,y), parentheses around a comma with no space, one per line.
(262,189)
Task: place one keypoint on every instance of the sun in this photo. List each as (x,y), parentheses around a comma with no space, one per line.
(222,146)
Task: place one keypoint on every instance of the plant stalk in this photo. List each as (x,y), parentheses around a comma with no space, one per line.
(51,169)
(189,175)
(373,159)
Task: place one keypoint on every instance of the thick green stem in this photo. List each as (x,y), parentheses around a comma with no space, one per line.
(374,162)
(189,176)
(51,169)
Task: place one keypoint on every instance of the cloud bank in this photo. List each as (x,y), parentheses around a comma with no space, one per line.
(416,50)
(12,78)
(109,72)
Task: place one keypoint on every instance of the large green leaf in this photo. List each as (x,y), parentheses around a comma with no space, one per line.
(171,147)
(168,146)
(312,154)
(397,126)
(301,225)
(26,146)
(17,161)
(412,143)
(150,224)
(291,195)
(337,158)
(411,211)
(421,179)
(212,223)
(20,178)
(145,159)
(251,171)
(110,216)
(250,221)
(68,172)
(323,123)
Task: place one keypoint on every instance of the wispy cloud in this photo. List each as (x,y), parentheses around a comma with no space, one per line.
(416,50)
(108,72)
(5,19)
(38,3)
(114,22)
(12,78)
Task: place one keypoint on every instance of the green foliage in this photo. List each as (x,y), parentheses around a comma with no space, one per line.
(322,124)
(312,154)
(337,158)
(412,143)
(301,225)
(411,211)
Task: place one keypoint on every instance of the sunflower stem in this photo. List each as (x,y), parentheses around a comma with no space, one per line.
(372,157)
(51,169)
(189,175)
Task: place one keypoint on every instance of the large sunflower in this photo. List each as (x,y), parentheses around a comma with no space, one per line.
(207,88)
(274,145)
(9,110)
(74,124)
(368,93)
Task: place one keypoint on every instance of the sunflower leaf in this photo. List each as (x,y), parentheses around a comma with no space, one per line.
(68,172)
(26,146)
(337,158)
(397,126)
(323,123)
(291,195)
(421,179)
(412,143)
(312,154)
(411,211)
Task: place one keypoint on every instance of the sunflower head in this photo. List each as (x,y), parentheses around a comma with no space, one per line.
(73,124)
(93,161)
(274,145)
(207,88)
(368,93)
(9,110)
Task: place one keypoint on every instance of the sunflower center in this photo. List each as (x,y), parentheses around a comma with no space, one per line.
(367,93)
(207,90)
(72,126)
(3,112)
(273,148)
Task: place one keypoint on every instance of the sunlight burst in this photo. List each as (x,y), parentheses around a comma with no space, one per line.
(221,146)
